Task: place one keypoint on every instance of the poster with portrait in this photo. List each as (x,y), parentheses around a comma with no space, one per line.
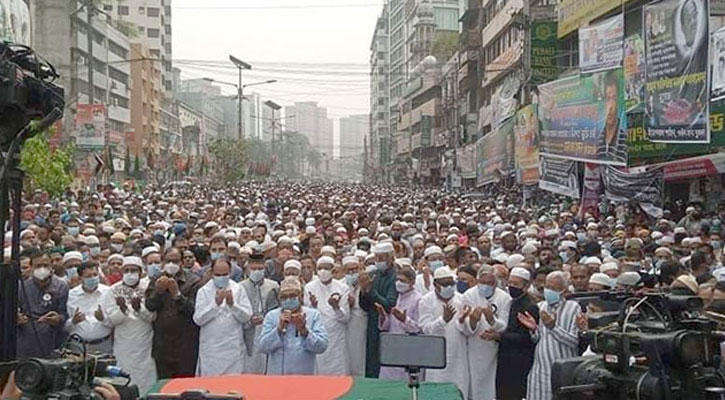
(717,50)
(90,124)
(526,152)
(634,70)
(15,21)
(559,176)
(676,58)
(600,45)
(494,154)
(646,188)
(583,118)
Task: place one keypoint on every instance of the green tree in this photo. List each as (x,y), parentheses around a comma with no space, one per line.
(444,46)
(46,169)
(228,159)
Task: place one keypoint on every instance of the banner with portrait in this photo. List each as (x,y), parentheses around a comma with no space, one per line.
(645,188)
(494,154)
(559,176)
(583,118)
(600,45)
(676,58)
(526,153)
(15,21)
(90,123)
(591,191)
(718,64)
(634,70)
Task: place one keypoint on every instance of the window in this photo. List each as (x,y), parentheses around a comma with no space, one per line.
(141,30)
(153,33)
(108,7)
(381,101)
(153,12)
(155,53)
(122,10)
(142,10)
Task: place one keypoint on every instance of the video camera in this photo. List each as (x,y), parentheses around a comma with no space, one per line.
(656,346)
(71,376)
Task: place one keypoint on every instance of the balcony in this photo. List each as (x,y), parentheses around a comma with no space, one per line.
(502,19)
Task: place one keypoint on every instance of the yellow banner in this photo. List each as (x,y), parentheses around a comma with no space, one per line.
(575,13)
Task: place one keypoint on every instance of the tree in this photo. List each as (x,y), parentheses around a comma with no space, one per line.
(228,159)
(444,46)
(46,169)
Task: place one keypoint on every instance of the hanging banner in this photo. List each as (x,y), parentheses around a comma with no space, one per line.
(676,55)
(559,176)
(15,21)
(90,126)
(494,154)
(504,102)
(577,13)
(543,51)
(582,118)
(634,69)
(718,64)
(644,188)
(467,161)
(525,150)
(592,190)
(600,45)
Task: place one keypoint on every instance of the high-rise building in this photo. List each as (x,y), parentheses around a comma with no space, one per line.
(145,105)
(311,120)
(353,131)
(379,139)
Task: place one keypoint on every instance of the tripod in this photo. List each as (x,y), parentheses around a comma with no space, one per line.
(413,381)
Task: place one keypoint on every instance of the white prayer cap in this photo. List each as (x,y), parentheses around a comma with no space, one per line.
(522,273)
(325,260)
(606,267)
(132,260)
(592,260)
(294,264)
(432,250)
(384,248)
(310,230)
(601,279)
(529,248)
(567,244)
(630,278)
(404,262)
(328,249)
(663,251)
(72,255)
(361,253)
(514,260)
(309,221)
(442,273)
(350,260)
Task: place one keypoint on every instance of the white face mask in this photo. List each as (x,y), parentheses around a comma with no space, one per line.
(325,275)
(41,273)
(130,278)
(171,268)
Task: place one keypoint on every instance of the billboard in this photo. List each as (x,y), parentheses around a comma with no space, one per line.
(90,126)
(526,153)
(559,176)
(600,45)
(494,154)
(718,64)
(634,73)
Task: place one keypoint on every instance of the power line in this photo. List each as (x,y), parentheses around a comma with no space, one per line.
(279,7)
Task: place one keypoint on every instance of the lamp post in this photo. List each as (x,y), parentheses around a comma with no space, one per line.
(241,65)
(240,95)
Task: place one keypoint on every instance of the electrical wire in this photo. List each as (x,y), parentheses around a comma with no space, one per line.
(279,7)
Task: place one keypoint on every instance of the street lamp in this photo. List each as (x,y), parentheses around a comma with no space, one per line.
(240,94)
(240,89)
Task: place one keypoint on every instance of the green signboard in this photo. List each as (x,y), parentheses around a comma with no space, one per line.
(543,51)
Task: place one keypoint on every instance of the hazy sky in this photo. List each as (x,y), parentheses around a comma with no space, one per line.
(317,49)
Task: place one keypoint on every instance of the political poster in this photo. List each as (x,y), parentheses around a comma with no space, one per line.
(504,102)
(543,51)
(583,118)
(645,188)
(592,190)
(494,154)
(634,73)
(676,58)
(574,14)
(90,126)
(559,176)
(15,21)
(718,64)
(600,45)
(526,153)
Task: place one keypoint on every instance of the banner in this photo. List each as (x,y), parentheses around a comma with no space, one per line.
(559,176)
(676,56)
(526,153)
(467,161)
(504,102)
(645,188)
(600,45)
(718,64)
(592,190)
(582,118)
(634,69)
(15,21)
(91,126)
(574,14)
(543,51)
(494,154)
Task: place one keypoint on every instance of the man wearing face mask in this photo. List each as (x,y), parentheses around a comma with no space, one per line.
(262,294)
(437,312)
(42,309)
(152,259)
(292,335)
(485,311)
(329,297)
(94,246)
(516,347)
(171,296)
(118,240)
(131,322)
(377,287)
(71,261)
(222,309)
(556,335)
(357,324)
(85,310)
(432,261)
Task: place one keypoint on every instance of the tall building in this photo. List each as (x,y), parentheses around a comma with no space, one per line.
(379,139)
(311,120)
(147,22)
(145,106)
(353,131)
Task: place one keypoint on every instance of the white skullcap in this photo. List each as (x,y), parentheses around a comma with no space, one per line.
(384,248)
(284,239)
(404,262)
(310,230)
(630,278)
(92,240)
(349,260)
(506,233)
(663,250)
(452,236)
(290,283)
(667,239)
(522,273)
(529,248)
(551,232)
(148,250)
(442,273)
(309,221)
(294,264)
(72,255)
(656,235)
(567,244)
(132,260)
(501,258)
(601,279)
(432,250)
(608,267)
(514,260)
(680,229)
(325,260)
(592,260)
(234,245)
(115,257)
(361,253)
(363,231)
(328,249)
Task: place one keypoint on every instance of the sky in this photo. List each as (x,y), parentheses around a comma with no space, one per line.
(318,50)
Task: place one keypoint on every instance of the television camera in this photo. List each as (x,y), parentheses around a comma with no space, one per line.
(654,346)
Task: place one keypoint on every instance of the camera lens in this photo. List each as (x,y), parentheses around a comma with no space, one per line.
(29,376)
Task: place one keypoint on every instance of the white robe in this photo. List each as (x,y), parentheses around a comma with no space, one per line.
(356,336)
(482,354)
(132,334)
(334,360)
(420,284)
(430,319)
(221,338)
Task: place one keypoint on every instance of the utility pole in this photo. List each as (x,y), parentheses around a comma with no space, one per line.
(90,10)
(240,65)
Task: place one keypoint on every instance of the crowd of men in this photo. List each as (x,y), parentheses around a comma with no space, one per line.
(301,278)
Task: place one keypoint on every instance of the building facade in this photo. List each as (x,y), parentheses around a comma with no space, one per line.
(353,131)
(145,107)
(379,138)
(312,121)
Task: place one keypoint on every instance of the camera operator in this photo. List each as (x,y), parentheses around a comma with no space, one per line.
(11,391)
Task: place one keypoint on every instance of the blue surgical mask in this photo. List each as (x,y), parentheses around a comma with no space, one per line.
(351,279)
(71,272)
(552,297)
(581,236)
(91,283)
(461,286)
(256,275)
(95,251)
(74,230)
(221,281)
(153,270)
(447,292)
(216,255)
(434,265)
(381,265)
(716,244)
(485,290)
(564,256)
(290,304)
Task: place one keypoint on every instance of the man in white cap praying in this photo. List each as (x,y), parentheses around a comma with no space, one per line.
(357,325)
